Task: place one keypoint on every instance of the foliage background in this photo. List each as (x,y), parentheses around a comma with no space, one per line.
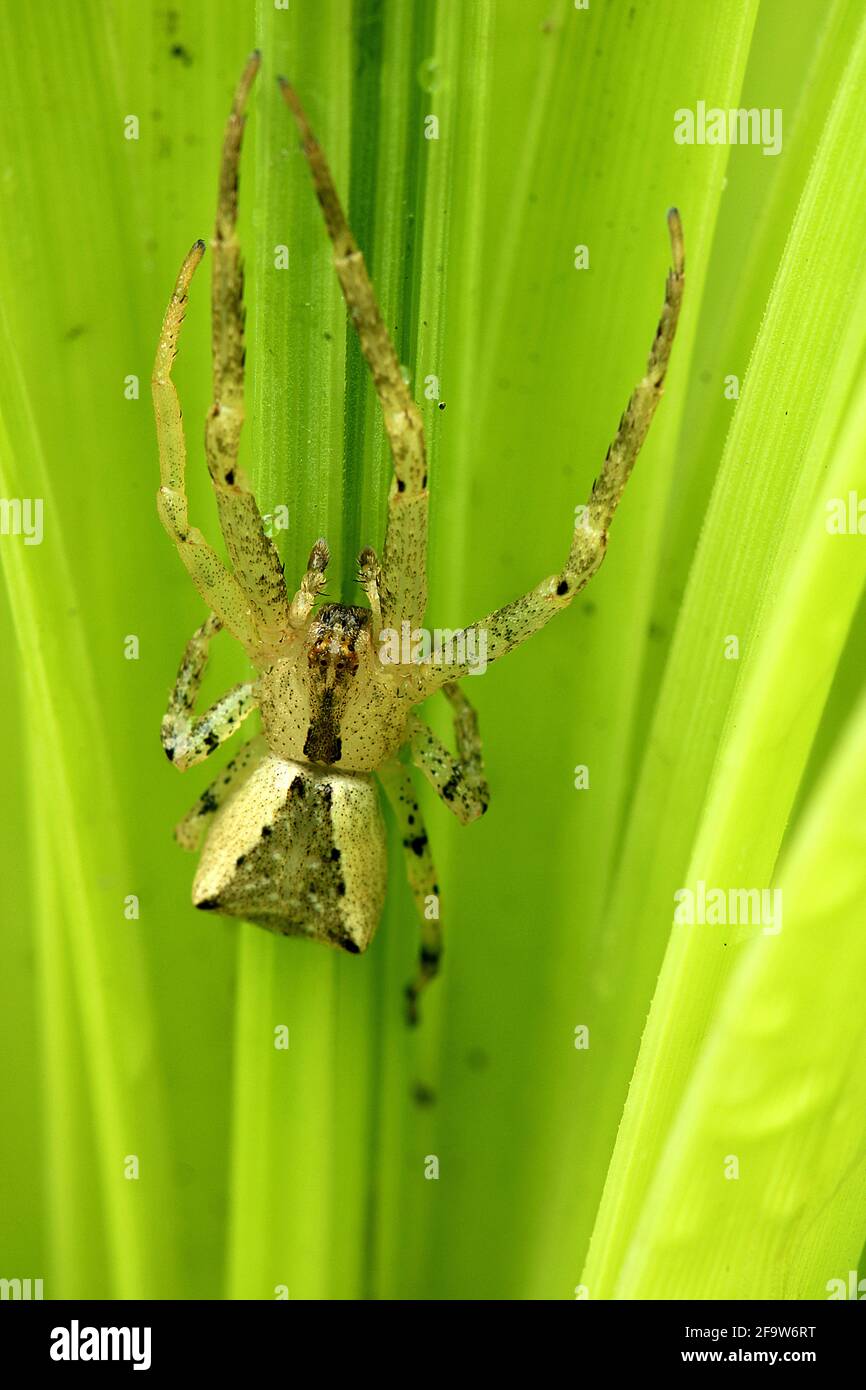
(154,1037)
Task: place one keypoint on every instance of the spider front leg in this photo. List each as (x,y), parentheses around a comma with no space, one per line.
(253,554)
(370,579)
(312,584)
(188,740)
(460,781)
(397,782)
(217,586)
(402,582)
(507,627)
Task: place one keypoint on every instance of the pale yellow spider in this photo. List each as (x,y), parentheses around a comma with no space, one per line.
(295,837)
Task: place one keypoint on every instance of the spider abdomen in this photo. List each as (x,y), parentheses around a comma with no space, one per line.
(300,851)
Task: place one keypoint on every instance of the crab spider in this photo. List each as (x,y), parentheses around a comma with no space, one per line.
(293,833)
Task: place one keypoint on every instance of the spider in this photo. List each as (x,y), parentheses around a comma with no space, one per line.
(294,839)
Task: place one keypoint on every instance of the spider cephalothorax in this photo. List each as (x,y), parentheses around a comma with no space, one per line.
(294,837)
(339,640)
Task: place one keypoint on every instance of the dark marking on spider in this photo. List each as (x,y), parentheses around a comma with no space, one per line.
(449,788)
(323,744)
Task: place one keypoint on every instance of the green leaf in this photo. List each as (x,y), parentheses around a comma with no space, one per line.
(787,589)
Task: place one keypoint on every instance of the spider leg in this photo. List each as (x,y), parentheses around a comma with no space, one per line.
(188,740)
(217,586)
(190,830)
(370,579)
(403,582)
(460,781)
(507,627)
(312,584)
(397,782)
(253,554)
